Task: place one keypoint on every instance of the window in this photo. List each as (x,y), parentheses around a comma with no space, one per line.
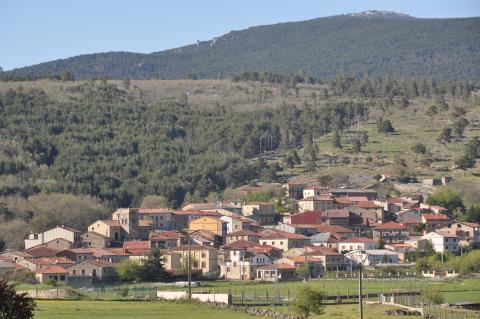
(446,240)
(228,269)
(273,243)
(83,272)
(204,264)
(204,254)
(459,225)
(74,272)
(281,243)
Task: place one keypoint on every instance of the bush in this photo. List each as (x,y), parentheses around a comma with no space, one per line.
(435,297)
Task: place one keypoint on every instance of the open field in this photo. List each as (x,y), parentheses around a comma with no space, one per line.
(151,310)
(452,290)
(128,309)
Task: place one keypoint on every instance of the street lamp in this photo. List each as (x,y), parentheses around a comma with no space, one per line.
(360,257)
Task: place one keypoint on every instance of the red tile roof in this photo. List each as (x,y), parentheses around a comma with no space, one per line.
(277,266)
(368,205)
(435,217)
(52,270)
(325,228)
(389,225)
(308,217)
(165,235)
(136,244)
(240,245)
(283,234)
(304,259)
(244,232)
(41,251)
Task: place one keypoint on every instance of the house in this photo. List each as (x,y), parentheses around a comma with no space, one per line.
(41,251)
(312,191)
(225,208)
(243,235)
(403,250)
(326,239)
(137,249)
(52,273)
(336,217)
(276,272)
(315,266)
(373,257)
(391,232)
(34,264)
(284,240)
(468,233)
(212,224)
(128,219)
(77,254)
(91,239)
(205,238)
(330,260)
(166,239)
(370,210)
(206,258)
(270,251)
(111,229)
(236,223)
(306,217)
(241,264)
(316,203)
(99,271)
(443,241)
(368,193)
(263,213)
(336,230)
(303,229)
(65,233)
(357,243)
(294,189)
(432,221)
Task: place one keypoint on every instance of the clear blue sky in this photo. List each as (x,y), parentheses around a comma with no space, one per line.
(36,31)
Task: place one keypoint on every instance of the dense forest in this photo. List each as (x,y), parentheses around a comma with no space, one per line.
(375,45)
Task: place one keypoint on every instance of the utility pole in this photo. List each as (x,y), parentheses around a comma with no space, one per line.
(189,268)
(360,292)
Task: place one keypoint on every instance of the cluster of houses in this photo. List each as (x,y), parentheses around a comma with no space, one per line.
(248,241)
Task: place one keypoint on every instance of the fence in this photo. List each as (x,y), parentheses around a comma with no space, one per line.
(440,312)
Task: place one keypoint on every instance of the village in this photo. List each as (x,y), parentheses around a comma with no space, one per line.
(331,230)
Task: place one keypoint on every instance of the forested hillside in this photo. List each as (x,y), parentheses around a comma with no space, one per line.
(374,44)
(71,152)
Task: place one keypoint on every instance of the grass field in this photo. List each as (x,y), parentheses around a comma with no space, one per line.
(453,290)
(151,310)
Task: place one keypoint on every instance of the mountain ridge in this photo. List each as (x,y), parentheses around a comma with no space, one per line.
(370,42)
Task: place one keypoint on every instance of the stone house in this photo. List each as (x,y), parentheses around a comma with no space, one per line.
(69,234)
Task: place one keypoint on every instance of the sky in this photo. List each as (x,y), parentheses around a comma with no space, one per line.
(34,31)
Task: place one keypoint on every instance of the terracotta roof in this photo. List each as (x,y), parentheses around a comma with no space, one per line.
(325,228)
(367,205)
(50,260)
(308,217)
(144,223)
(244,232)
(52,270)
(336,213)
(390,225)
(165,235)
(108,222)
(411,221)
(358,240)
(304,259)
(136,244)
(283,234)
(192,247)
(444,234)
(435,217)
(319,251)
(41,251)
(240,245)
(277,266)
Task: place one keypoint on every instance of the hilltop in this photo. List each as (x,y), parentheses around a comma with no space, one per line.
(376,43)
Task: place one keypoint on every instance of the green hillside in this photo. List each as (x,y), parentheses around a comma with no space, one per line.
(375,44)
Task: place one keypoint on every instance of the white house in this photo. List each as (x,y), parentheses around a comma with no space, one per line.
(60,232)
(373,257)
(242,264)
(443,241)
(357,243)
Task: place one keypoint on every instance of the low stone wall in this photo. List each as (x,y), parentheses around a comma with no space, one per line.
(212,298)
(51,294)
